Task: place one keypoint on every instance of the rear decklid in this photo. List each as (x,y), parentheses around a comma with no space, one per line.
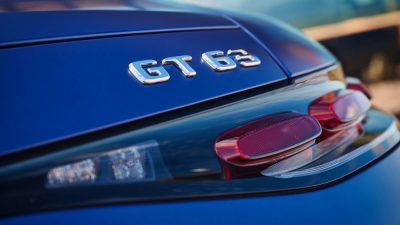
(66,73)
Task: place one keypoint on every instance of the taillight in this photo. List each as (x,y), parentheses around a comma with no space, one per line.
(141,162)
(336,142)
(339,109)
(289,140)
(248,149)
(276,138)
(355,84)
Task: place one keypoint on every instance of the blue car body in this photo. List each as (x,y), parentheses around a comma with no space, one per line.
(283,59)
(369,197)
(64,76)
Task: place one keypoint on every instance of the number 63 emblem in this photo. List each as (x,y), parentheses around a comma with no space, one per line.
(147,71)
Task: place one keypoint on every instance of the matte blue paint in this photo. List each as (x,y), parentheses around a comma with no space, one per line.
(369,198)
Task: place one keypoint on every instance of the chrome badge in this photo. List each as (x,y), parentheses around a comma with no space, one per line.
(147,71)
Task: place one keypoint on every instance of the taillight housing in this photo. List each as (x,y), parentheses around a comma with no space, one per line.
(355,84)
(339,109)
(271,137)
(249,148)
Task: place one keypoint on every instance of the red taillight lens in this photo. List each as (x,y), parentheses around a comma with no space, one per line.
(267,140)
(336,110)
(355,84)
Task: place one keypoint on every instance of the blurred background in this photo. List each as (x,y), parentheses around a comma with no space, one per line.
(363,34)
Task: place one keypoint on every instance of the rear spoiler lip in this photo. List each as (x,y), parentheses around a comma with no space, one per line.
(92,24)
(14,44)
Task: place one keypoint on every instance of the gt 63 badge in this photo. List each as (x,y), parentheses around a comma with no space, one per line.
(148,72)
